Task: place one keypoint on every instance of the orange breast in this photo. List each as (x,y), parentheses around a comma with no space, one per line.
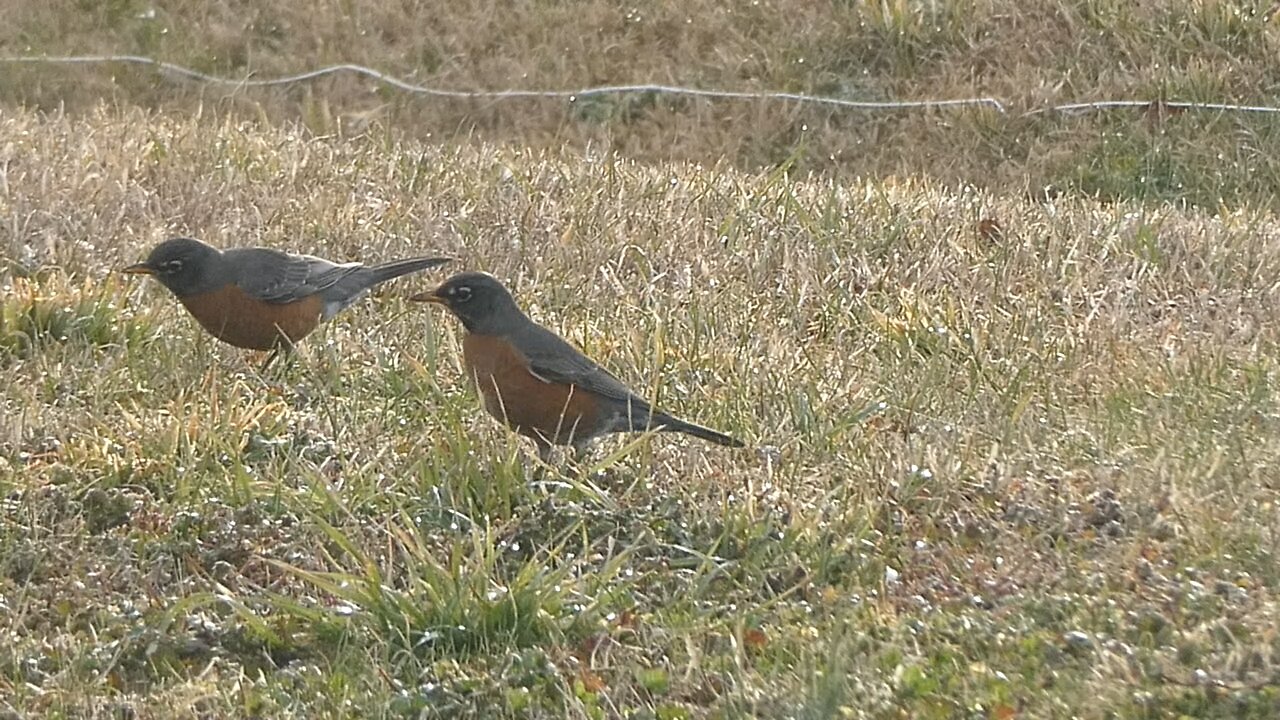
(238,319)
(548,412)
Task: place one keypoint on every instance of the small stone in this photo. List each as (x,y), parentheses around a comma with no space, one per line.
(1077,640)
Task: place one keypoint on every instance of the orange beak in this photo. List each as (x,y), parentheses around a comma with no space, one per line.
(138,269)
(431,296)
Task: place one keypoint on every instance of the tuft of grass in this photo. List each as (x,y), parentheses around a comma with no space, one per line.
(465,603)
(34,323)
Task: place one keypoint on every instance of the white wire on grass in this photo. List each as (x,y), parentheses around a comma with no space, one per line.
(571,95)
(1160,104)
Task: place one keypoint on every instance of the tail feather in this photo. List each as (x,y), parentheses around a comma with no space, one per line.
(392,270)
(355,284)
(666,423)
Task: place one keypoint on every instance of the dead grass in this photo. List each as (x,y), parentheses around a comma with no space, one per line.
(1018,468)
(1030,54)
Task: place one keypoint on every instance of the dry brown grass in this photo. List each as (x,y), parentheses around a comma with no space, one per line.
(1029,54)
(1024,467)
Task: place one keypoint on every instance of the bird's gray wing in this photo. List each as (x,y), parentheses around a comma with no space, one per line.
(554,360)
(280,277)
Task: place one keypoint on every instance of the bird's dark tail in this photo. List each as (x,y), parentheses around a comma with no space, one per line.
(666,423)
(392,270)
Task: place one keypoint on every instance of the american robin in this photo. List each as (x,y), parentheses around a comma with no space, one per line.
(538,384)
(260,298)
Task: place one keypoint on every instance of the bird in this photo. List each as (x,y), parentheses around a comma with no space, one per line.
(537,383)
(259,298)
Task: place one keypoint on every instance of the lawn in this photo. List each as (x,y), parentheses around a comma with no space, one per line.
(1014,468)
(1007,382)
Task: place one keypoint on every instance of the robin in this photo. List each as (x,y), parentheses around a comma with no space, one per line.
(260,298)
(538,384)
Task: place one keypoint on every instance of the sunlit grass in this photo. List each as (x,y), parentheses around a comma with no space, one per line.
(1003,473)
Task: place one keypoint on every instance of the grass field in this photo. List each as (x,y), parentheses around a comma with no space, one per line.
(1007,382)
(1025,472)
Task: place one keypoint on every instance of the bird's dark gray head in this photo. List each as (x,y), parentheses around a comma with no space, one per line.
(184,265)
(482,303)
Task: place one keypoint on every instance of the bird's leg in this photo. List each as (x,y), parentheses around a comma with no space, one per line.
(266,364)
(579,452)
(272,382)
(577,458)
(539,470)
(283,348)
(544,451)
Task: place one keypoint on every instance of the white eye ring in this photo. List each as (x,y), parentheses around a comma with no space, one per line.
(462,292)
(172,266)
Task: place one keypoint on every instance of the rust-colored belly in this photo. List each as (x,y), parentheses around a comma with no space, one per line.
(547,412)
(237,319)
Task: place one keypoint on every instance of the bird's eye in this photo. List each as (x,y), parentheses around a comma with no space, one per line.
(171,266)
(462,293)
